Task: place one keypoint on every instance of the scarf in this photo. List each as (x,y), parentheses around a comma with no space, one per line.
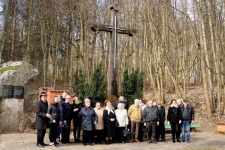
(109,110)
(172,105)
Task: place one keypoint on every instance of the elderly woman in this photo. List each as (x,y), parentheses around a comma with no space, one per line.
(100,125)
(122,119)
(88,120)
(109,122)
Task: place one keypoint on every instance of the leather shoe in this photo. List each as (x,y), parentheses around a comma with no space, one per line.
(178,141)
(84,144)
(44,144)
(40,145)
(91,144)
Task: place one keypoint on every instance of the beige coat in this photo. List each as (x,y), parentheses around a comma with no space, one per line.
(135,113)
(100,124)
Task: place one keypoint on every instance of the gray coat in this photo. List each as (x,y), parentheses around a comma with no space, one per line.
(151,114)
(88,117)
(41,121)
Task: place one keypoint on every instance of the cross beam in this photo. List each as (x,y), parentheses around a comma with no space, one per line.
(114,30)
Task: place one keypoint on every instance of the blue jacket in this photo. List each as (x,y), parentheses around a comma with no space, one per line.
(88,117)
(67,110)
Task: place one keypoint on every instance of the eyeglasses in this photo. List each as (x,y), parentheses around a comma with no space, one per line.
(68,98)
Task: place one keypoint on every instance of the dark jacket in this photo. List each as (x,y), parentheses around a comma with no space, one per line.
(109,126)
(62,99)
(67,110)
(79,106)
(88,117)
(174,114)
(191,113)
(41,121)
(151,114)
(124,102)
(54,111)
(162,114)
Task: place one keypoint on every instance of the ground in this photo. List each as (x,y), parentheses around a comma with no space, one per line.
(199,141)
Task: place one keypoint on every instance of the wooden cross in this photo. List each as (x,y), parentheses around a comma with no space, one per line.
(114,30)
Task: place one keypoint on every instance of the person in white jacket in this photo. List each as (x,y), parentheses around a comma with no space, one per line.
(121,122)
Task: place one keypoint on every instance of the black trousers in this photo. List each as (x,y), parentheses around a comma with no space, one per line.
(141,132)
(40,136)
(119,134)
(76,128)
(53,131)
(151,131)
(66,132)
(87,136)
(160,131)
(175,131)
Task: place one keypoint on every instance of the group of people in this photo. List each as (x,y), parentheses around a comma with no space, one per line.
(109,122)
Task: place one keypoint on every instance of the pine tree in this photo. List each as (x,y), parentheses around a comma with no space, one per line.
(98,85)
(132,85)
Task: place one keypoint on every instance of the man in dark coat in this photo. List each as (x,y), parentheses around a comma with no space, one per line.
(188,116)
(41,121)
(121,100)
(67,116)
(160,129)
(88,121)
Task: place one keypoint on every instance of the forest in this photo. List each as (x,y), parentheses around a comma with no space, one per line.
(179,43)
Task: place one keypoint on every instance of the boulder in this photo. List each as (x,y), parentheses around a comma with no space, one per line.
(18,114)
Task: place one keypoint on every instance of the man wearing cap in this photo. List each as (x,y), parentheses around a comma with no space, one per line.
(187,113)
(41,121)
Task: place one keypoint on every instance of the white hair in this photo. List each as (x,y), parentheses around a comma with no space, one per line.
(87,100)
(136,100)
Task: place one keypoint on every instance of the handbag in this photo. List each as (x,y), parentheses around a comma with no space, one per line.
(126,132)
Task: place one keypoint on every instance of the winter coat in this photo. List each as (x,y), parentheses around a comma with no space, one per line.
(151,114)
(191,113)
(109,126)
(54,111)
(67,110)
(135,113)
(100,124)
(88,117)
(119,101)
(78,105)
(121,117)
(41,121)
(162,114)
(174,114)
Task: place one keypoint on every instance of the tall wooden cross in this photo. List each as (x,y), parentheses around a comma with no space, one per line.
(114,30)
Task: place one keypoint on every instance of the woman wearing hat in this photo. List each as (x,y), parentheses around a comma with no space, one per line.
(122,121)
(109,122)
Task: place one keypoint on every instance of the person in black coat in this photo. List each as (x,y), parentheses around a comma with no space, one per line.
(174,119)
(67,116)
(41,121)
(121,99)
(88,121)
(160,129)
(54,121)
(77,105)
(109,121)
